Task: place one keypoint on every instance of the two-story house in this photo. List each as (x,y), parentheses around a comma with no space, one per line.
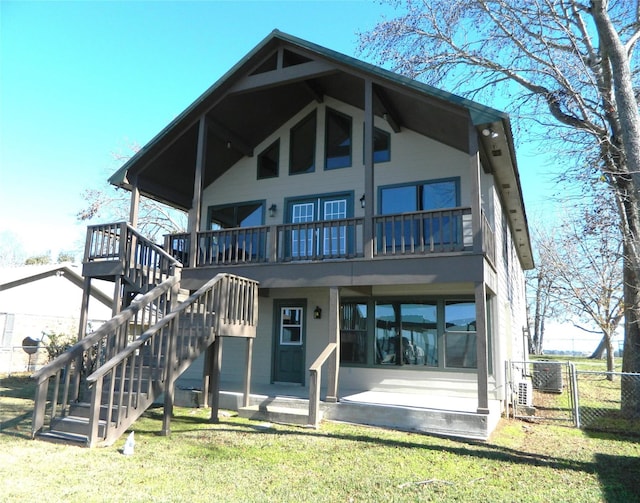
(382,218)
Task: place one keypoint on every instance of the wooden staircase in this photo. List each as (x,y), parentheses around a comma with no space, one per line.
(91,394)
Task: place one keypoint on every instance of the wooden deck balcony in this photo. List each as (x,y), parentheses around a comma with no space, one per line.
(408,234)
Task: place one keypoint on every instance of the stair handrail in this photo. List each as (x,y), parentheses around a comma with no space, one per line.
(139,342)
(315,376)
(217,312)
(158,249)
(75,352)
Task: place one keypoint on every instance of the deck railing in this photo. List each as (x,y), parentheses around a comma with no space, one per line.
(315,378)
(488,240)
(422,232)
(414,233)
(144,262)
(320,240)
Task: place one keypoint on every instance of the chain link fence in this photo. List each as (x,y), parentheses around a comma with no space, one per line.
(20,359)
(553,391)
(609,401)
(542,391)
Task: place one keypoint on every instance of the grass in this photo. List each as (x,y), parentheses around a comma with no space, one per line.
(239,460)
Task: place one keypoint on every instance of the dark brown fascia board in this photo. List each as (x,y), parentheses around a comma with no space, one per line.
(512,180)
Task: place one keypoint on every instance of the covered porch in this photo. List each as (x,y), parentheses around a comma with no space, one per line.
(405,409)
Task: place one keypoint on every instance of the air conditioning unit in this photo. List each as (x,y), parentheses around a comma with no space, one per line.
(524,394)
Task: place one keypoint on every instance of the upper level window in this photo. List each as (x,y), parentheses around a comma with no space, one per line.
(337,140)
(424,196)
(236,215)
(268,161)
(434,228)
(303,146)
(381,146)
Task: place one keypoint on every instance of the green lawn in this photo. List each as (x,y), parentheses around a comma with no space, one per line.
(240,460)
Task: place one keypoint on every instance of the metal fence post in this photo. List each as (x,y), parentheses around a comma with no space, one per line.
(575,394)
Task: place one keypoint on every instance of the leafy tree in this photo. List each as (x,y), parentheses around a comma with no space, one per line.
(569,70)
(56,343)
(66,257)
(39,259)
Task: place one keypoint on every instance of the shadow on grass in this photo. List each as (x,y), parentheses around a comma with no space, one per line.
(618,475)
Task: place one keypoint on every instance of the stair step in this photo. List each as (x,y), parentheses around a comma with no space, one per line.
(64,438)
(276,414)
(82,410)
(75,425)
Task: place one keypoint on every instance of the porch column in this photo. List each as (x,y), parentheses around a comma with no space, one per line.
(481,348)
(84,308)
(333,366)
(134,209)
(247,373)
(368,170)
(216,366)
(476,188)
(195,211)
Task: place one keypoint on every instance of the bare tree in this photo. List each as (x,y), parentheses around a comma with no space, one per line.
(585,255)
(112,204)
(12,252)
(568,69)
(540,284)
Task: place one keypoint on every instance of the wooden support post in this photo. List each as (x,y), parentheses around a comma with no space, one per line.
(475,188)
(481,348)
(195,212)
(169,381)
(117,296)
(333,365)
(84,308)
(135,206)
(206,376)
(215,379)
(368,171)
(247,375)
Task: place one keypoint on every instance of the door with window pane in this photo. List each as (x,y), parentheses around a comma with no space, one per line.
(313,236)
(289,344)
(302,237)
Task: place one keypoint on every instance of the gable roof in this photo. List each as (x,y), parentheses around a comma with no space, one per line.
(17,276)
(279,77)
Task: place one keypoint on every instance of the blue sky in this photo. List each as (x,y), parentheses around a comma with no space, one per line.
(81,80)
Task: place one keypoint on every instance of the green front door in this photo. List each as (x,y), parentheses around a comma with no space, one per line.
(289,343)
